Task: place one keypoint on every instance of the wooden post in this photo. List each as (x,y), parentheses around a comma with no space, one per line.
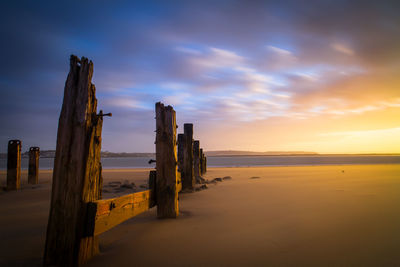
(201,162)
(14,165)
(188,180)
(196,160)
(77,171)
(167,177)
(33,171)
(181,144)
(152,186)
(205,164)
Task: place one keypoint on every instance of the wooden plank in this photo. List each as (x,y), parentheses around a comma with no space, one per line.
(77,172)
(167,180)
(110,212)
(33,171)
(14,165)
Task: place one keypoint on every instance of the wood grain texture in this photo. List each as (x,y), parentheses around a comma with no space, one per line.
(106,214)
(77,171)
(168,177)
(14,165)
(33,170)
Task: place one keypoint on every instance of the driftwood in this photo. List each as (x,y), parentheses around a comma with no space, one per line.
(33,171)
(14,165)
(77,171)
(168,177)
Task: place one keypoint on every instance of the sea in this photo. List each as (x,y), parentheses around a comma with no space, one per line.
(235,161)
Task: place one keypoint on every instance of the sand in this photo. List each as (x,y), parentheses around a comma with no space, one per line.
(264,216)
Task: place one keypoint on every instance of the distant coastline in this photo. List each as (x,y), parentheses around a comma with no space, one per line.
(216,153)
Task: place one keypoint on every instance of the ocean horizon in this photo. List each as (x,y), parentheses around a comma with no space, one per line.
(235,161)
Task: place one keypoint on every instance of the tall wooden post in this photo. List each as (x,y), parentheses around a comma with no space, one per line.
(33,170)
(205,164)
(167,177)
(201,162)
(196,159)
(77,170)
(181,143)
(188,180)
(14,165)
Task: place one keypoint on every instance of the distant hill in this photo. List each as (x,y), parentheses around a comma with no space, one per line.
(228,153)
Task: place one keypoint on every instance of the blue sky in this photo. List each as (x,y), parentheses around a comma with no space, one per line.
(250,75)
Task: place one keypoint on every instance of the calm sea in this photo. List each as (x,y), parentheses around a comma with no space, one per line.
(242,161)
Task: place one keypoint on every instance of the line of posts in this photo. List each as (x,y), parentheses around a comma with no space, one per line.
(192,163)
(14,165)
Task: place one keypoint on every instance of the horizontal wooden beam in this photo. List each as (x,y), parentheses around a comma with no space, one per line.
(102,215)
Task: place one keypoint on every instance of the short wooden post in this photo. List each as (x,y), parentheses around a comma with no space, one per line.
(77,171)
(188,180)
(152,186)
(201,162)
(14,165)
(33,170)
(166,162)
(196,159)
(205,164)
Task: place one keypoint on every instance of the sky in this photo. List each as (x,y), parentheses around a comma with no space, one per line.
(321,76)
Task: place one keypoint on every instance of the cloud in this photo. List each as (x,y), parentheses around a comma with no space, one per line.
(225,61)
(342,49)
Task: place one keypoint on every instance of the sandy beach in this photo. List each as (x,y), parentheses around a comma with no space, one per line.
(263,216)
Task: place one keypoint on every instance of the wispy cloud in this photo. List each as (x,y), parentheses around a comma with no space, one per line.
(339,47)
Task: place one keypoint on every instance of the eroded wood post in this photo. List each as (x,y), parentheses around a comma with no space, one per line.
(181,143)
(188,180)
(77,170)
(33,170)
(167,177)
(196,160)
(14,165)
(152,186)
(205,164)
(201,162)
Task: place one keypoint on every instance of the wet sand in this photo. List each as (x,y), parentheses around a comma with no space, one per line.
(275,216)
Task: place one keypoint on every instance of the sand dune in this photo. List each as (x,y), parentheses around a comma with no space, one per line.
(274,216)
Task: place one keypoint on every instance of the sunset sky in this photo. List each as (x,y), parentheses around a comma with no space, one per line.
(320,76)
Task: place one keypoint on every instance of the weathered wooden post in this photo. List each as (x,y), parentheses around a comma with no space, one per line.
(167,177)
(188,180)
(77,171)
(14,165)
(152,186)
(196,160)
(181,143)
(201,162)
(33,170)
(205,164)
